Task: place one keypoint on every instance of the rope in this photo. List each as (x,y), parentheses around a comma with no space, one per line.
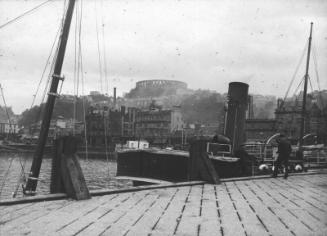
(7,113)
(79,67)
(6,175)
(83,102)
(297,88)
(45,67)
(295,72)
(104,51)
(75,66)
(24,14)
(98,43)
(84,120)
(80,73)
(104,68)
(310,83)
(52,67)
(315,62)
(106,146)
(55,54)
(22,177)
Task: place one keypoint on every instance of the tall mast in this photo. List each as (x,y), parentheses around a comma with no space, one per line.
(306,78)
(36,165)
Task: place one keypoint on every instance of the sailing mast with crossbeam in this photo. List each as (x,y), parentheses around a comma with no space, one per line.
(306,78)
(52,95)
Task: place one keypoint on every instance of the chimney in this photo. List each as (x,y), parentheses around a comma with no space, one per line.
(115,98)
(236,113)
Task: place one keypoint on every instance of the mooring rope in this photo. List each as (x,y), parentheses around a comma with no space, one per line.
(24,14)
(6,175)
(296,71)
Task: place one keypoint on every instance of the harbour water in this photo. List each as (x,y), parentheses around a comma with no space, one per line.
(98,173)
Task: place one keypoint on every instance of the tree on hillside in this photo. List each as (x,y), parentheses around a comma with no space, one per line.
(63,107)
(3,113)
(202,107)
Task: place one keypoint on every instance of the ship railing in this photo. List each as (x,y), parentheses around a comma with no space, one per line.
(266,153)
(218,149)
(315,157)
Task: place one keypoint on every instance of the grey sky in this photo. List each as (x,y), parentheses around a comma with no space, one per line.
(204,43)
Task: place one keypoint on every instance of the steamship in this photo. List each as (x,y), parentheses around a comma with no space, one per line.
(151,164)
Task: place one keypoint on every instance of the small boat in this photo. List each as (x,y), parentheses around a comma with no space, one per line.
(145,166)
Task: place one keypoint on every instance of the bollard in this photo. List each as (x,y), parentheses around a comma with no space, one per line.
(200,167)
(67,175)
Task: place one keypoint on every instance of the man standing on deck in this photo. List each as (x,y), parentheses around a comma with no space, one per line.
(284,151)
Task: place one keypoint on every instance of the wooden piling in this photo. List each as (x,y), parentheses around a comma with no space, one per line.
(67,175)
(56,185)
(200,166)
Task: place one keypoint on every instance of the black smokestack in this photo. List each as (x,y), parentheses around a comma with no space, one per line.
(115,97)
(236,113)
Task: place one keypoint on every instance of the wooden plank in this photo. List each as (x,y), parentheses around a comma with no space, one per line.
(56,184)
(282,213)
(148,180)
(313,223)
(124,224)
(101,192)
(147,187)
(197,147)
(294,194)
(189,219)
(268,219)
(207,170)
(18,215)
(294,197)
(256,207)
(200,166)
(114,212)
(10,209)
(73,178)
(229,214)
(39,198)
(58,219)
(146,222)
(170,219)
(210,213)
(248,216)
(90,217)
(34,214)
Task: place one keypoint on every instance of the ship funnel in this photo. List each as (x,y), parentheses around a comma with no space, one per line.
(115,98)
(236,113)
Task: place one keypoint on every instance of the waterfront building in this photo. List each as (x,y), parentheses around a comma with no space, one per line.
(157,125)
(259,130)
(288,118)
(58,127)
(111,125)
(8,128)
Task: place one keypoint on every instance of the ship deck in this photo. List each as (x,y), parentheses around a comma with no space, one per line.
(296,206)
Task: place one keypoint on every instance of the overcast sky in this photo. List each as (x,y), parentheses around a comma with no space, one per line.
(206,44)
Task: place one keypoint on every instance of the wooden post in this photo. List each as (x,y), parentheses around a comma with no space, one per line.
(67,175)
(56,184)
(47,114)
(200,166)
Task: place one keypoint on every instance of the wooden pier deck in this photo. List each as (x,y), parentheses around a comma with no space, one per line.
(296,206)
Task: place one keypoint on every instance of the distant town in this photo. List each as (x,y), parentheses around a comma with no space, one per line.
(163,112)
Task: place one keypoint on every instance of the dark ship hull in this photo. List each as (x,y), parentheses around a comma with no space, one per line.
(168,165)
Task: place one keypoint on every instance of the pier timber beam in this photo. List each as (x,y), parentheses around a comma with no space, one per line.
(67,175)
(38,155)
(200,166)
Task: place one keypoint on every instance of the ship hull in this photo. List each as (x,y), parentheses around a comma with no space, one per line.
(169,166)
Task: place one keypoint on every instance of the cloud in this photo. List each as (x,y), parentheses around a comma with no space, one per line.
(204,43)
